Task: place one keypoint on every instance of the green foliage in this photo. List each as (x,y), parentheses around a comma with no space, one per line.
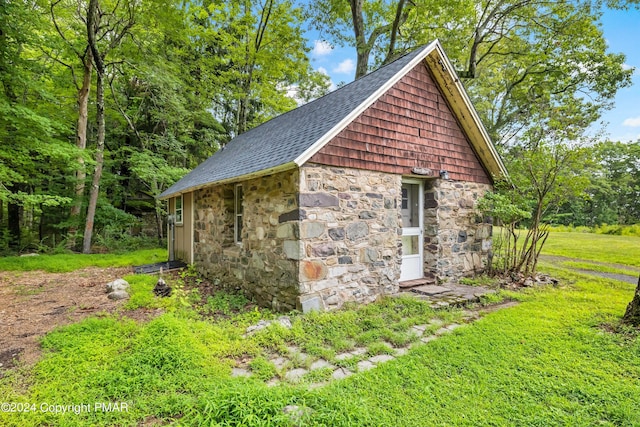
(262,368)
(551,360)
(617,230)
(63,263)
(183,78)
(224,303)
(614,183)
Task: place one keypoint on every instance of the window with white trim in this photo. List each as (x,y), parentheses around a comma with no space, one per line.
(238,213)
(177,209)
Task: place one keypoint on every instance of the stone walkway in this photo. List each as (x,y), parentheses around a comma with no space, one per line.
(450,294)
(297,367)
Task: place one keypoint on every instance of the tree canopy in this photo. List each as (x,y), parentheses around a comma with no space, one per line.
(122,98)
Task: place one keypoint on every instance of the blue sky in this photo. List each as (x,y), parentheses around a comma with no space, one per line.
(621,30)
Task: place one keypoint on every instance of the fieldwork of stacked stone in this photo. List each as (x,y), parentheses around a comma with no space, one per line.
(457,240)
(262,264)
(349,236)
(316,237)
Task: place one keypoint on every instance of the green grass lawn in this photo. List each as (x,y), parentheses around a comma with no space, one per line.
(552,360)
(63,263)
(595,247)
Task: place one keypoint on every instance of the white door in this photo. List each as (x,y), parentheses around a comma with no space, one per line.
(412,214)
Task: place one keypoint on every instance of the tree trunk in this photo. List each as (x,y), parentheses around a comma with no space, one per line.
(362,49)
(81,143)
(13,217)
(158,208)
(92,28)
(632,315)
(97,174)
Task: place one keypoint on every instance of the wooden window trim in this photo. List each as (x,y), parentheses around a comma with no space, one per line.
(238,213)
(178,213)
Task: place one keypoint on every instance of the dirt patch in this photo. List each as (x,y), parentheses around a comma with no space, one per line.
(35,303)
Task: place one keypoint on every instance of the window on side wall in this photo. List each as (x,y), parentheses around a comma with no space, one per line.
(177,209)
(238,213)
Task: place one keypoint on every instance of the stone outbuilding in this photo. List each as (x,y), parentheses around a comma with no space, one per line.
(345,197)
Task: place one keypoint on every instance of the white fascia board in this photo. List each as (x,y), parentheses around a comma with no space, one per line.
(317,146)
(453,76)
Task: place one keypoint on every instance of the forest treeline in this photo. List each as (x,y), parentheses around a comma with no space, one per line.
(106,103)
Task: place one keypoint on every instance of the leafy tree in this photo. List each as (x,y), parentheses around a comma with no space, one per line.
(31,137)
(545,172)
(382,30)
(255,55)
(613,190)
(69,20)
(523,61)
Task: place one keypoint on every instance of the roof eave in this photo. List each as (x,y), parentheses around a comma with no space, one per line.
(460,103)
(257,174)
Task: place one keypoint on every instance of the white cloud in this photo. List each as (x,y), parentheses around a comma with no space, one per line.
(345,67)
(323,71)
(321,48)
(633,122)
(626,67)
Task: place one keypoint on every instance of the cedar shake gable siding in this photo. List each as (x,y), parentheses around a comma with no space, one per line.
(410,126)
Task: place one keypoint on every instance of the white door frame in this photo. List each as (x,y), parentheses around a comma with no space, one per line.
(413,265)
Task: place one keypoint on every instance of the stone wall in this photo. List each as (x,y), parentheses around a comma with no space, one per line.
(349,234)
(266,262)
(320,236)
(457,240)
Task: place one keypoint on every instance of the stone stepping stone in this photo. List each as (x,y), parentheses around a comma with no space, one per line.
(418,330)
(359,351)
(430,290)
(341,373)
(453,326)
(295,375)
(365,365)
(401,351)
(239,372)
(343,356)
(436,322)
(442,331)
(279,362)
(319,364)
(429,338)
(381,358)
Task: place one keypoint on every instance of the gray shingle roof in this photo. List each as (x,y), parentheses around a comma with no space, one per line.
(283,139)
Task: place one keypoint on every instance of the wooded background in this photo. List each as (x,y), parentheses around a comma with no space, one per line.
(105,103)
